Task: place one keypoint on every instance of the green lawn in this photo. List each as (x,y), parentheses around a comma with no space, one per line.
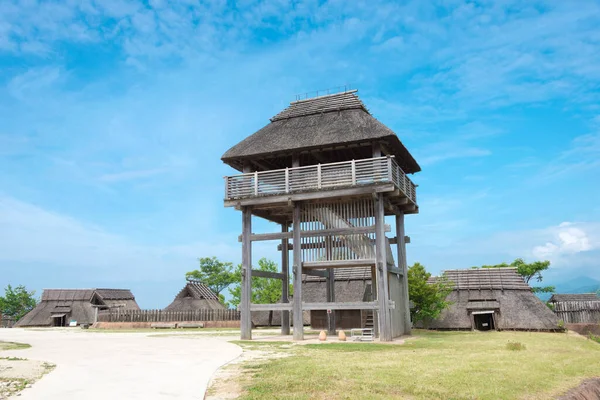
(12,346)
(433,365)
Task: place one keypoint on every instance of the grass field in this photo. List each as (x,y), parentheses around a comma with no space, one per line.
(433,365)
(12,346)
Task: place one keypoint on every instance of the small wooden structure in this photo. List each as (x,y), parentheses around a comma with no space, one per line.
(328,170)
(60,306)
(195,295)
(492,299)
(577,308)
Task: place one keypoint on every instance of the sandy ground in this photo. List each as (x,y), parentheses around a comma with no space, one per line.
(94,365)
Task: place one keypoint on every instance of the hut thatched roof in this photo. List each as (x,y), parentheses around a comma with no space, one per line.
(501,290)
(557,298)
(485,278)
(339,126)
(77,305)
(195,296)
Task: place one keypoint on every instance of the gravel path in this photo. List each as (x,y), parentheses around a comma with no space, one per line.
(93,365)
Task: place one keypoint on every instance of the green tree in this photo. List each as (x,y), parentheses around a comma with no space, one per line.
(215,274)
(17,302)
(428,299)
(528,271)
(264,290)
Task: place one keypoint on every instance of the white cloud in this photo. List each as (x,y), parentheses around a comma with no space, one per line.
(568,238)
(36,236)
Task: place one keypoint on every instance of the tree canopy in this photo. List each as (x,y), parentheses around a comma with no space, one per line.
(264,290)
(213,273)
(17,301)
(428,299)
(528,271)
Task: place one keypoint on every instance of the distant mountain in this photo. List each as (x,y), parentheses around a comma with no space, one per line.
(581,284)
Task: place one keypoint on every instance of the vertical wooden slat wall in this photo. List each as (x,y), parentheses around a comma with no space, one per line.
(168,316)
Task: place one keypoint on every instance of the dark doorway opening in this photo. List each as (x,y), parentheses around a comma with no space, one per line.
(484,322)
(59,320)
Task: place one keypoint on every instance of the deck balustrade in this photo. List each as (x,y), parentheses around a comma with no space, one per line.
(337,175)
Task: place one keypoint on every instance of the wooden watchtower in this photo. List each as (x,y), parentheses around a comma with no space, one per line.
(328,170)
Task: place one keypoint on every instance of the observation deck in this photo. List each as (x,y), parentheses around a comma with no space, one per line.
(321,179)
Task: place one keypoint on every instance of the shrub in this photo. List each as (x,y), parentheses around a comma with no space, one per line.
(515,346)
(595,338)
(561,325)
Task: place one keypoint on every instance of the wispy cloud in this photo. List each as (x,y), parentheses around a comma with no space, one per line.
(131,175)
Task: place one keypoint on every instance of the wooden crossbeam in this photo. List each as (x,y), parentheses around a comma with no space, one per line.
(394,240)
(395,270)
(338,263)
(356,305)
(314,272)
(355,230)
(267,274)
(272,307)
(316,195)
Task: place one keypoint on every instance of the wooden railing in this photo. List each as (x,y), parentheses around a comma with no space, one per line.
(320,177)
(117,315)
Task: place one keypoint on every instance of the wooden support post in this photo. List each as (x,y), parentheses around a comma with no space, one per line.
(285,256)
(404,305)
(298,318)
(330,282)
(374,295)
(246,317)
(383,297)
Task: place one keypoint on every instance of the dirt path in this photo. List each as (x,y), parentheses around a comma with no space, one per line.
(94,365)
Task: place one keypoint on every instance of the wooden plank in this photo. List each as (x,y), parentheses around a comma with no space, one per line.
(285,283)
(356,230)
(272,307)
(267,274)
(298,318)
(337,264)
(246,322)
(314,272)
(356,305)
(320,194)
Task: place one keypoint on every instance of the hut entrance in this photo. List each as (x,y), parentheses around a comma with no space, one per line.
(59,320)
(484,321)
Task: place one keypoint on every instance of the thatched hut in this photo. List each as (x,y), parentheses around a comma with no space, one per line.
(493,299)
(351,285)
(195,296)
(61,307)
(581,308)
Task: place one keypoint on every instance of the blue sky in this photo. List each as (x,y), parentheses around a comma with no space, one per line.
(114,116)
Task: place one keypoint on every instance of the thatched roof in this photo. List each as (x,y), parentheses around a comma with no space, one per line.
(485,278)
(195,296)
(557,298)
(338,127)
(501,290)
(76,304)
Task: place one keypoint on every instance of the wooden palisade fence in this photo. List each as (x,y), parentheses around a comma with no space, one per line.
(117,315)
(576,312)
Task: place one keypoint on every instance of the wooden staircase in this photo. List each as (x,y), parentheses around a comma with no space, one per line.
(369,319)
